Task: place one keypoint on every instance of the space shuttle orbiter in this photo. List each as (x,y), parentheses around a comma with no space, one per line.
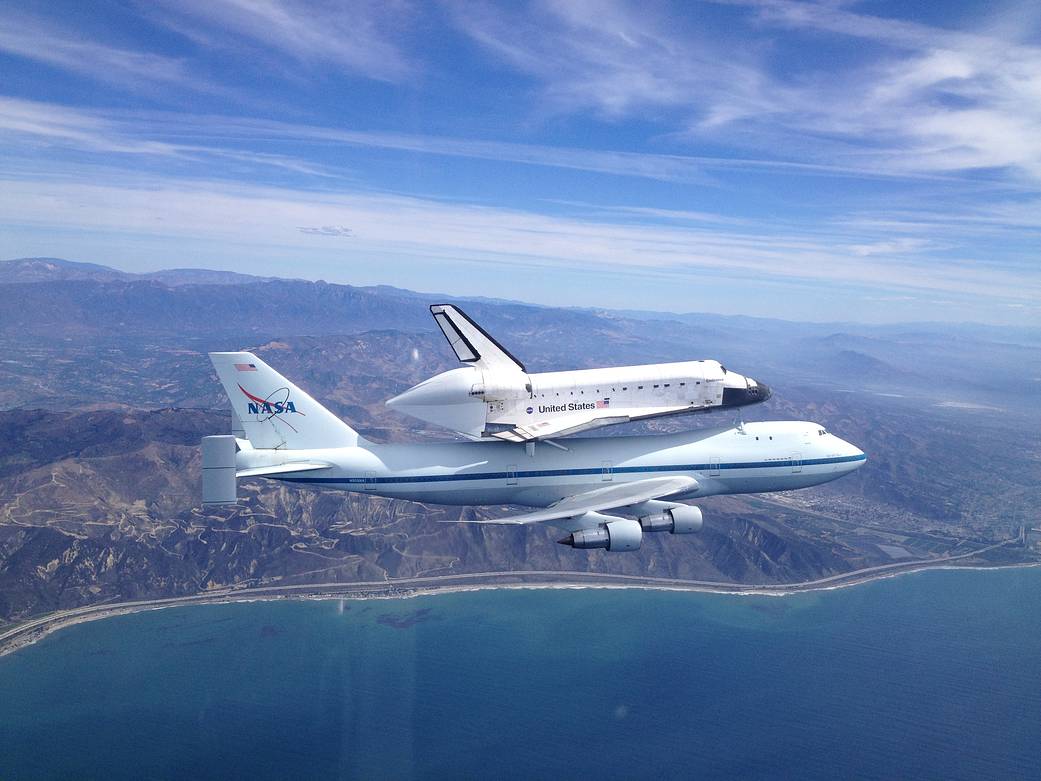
(494,397)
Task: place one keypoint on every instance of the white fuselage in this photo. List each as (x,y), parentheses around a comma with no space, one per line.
(755,458)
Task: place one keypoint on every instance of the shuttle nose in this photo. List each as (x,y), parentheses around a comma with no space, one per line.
(742,394)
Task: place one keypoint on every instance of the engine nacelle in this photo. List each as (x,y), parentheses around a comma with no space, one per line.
(620,535)
(683,519)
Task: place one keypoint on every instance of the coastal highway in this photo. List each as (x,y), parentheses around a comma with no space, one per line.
(28,632)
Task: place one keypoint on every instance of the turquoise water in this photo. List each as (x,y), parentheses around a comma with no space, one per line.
(935,675)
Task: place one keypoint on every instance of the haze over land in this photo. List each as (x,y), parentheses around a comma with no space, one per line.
(105,390)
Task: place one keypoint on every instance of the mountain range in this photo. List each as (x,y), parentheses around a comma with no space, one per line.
(105,390)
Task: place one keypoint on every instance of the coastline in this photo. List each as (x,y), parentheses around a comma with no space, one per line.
(29,632)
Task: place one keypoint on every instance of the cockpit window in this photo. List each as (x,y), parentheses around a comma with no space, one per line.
(724,368)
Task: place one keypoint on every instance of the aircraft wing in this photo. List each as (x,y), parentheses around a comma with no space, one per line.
(607,498)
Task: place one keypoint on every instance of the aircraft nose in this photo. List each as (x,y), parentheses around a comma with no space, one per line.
(859,456)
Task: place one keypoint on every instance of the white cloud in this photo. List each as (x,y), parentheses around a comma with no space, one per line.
(138,132)
(26,124)
(360,37)
(380,225)
(49,42)
(618,58)
(927,99)
(898,246)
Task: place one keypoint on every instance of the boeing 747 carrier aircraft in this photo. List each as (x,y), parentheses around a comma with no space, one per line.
(603,492)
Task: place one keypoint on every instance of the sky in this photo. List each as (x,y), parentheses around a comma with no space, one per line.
(823,161)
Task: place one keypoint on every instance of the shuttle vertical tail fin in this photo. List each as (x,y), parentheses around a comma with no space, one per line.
(471,343)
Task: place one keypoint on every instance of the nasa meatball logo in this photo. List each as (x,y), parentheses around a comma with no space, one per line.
(277,403)
(530,410)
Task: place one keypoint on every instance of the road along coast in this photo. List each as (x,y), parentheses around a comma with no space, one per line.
(26,633)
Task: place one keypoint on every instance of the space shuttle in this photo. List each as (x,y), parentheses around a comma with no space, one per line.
(493,397)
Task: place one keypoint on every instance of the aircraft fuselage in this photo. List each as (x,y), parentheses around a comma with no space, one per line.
(757,457)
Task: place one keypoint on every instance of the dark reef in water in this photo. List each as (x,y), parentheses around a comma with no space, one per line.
(407,621)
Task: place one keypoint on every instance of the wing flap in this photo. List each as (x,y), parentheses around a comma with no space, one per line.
(608,498)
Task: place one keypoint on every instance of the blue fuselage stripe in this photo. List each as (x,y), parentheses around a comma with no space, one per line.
(786,463)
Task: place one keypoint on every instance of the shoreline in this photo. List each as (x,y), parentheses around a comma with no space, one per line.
(29,632)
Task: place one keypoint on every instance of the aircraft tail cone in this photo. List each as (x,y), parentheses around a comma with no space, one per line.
(569,540)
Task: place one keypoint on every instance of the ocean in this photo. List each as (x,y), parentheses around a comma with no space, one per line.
(932,675)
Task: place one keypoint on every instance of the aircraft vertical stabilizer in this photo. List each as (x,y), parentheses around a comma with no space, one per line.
(275,413)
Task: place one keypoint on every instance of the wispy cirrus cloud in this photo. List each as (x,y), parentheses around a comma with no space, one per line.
(51,42)
(26,124)
(618,58)
(356,38)
(360,37)
(935,99)
(928,100)
(141,132)
(905,245)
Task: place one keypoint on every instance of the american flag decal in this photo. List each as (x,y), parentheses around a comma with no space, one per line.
(246,367)
(601,403)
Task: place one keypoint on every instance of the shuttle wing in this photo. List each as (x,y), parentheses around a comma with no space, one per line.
(565,425)
(608,498)
(471,343)
(562,426)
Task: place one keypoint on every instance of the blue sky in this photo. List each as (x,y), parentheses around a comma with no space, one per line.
(872,161)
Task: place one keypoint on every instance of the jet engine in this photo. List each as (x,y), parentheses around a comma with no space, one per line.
(682,519)
(618,535)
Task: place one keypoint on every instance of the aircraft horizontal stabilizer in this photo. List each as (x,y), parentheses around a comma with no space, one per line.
(609,498)
(281,469)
